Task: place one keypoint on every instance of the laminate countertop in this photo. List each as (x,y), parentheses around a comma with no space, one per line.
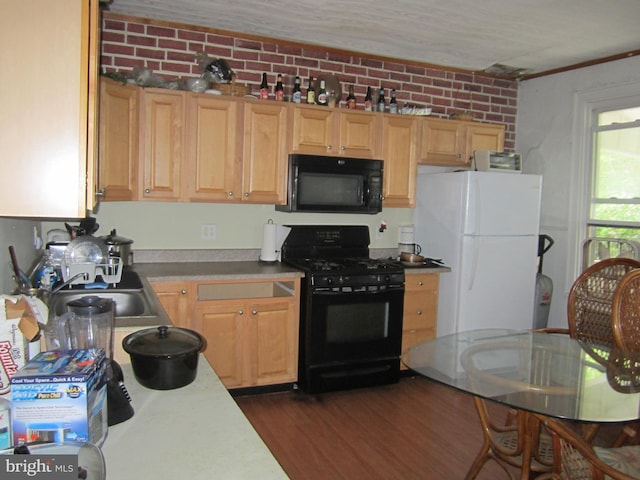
(232,270)
(196,432)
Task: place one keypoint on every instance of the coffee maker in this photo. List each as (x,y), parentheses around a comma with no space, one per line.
(89,323)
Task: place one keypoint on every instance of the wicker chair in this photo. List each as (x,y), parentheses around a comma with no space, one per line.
(589,307)
(575,459)
(625,316)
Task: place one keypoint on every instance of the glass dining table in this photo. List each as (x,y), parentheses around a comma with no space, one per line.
(533,372)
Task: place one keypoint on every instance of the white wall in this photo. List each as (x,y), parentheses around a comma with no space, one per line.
(545,137)
(158,226)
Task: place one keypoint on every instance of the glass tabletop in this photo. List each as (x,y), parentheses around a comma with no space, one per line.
(550,374)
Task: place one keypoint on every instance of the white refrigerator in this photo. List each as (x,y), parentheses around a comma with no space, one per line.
(484,225)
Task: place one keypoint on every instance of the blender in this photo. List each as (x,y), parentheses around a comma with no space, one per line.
(89,323)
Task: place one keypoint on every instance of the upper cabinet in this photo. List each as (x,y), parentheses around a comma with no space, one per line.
(48,93)
(400,150)
(330,131)
(118,146)
(452,142)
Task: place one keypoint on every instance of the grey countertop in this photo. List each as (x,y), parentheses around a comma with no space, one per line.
(230,270)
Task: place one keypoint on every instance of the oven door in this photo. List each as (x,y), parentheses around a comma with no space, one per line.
(347,327)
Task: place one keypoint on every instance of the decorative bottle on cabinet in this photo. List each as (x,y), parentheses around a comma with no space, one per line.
(382,104)
(322,94)
(351,99)
(393,102)
(279,92)
(368,106)
(264,88)
(296,96)
(311,92)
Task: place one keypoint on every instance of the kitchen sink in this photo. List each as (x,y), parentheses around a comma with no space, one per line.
(130,303)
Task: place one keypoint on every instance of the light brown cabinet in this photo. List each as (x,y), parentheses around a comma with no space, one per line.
(118,141)
(420,308)
(335,132)
(162,152)
(174,298)
(264,159)
(400,150)
(213,148)
(452,142)
(48,93)
(251,329)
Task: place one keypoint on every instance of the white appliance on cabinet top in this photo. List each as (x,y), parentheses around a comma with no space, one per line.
(492,161)
(485,227)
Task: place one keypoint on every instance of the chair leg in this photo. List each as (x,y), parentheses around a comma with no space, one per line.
(479,461)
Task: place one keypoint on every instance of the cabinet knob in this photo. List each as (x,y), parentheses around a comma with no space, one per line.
(254,312)
(419,312)
(183,291)
(100,193)
(230,194)
(147,190)
(329,147)
(246,194)
(420,283)
(240,312)
(343,148)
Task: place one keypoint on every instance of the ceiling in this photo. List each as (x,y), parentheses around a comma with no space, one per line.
(512,37)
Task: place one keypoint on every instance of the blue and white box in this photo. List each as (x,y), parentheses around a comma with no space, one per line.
(60,396)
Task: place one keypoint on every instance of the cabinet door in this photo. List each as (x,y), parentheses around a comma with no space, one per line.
(313,130)
(48,74)
(174,298)
(221,324)
(484,137)
(212,148)
(272,353)
(358,135)
(400,153)
(118,151)
(443,142)
(161,143)
(264,159)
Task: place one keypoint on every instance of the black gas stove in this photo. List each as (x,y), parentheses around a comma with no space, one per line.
(350,310)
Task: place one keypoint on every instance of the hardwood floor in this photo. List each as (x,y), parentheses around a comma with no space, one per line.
(416,429)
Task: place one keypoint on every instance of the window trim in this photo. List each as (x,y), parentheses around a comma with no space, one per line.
(585,105)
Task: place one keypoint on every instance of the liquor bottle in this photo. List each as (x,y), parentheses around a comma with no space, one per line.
(322,94)
(382,104)
(296,97)
(351,99)
(311,92)
(279,92)
(264,88)
(393,102)
(367,100)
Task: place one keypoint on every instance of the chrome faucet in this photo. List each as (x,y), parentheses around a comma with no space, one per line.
(84,275)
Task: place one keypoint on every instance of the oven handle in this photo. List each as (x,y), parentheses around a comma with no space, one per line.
(330,291)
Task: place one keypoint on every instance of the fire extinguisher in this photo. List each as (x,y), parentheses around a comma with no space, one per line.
(544,286)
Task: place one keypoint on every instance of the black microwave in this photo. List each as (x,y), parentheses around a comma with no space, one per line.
(333,185)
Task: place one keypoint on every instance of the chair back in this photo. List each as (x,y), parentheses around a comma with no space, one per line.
(625,316)
(589,306)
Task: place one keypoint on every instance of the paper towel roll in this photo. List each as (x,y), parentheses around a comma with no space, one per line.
(269,247)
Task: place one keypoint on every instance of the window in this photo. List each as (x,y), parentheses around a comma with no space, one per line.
(614,207)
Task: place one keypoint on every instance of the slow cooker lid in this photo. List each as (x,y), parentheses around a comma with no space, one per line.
(163,341)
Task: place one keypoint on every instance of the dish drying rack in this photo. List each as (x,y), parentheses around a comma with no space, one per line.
(83,273)
(595,249)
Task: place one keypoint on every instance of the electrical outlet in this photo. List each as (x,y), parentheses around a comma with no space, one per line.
(208,232)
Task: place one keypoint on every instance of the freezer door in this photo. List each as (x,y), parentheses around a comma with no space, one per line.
(497,282)
(502,204)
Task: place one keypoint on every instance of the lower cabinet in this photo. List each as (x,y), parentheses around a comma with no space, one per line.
(174,298)
(420,308)
(250,327)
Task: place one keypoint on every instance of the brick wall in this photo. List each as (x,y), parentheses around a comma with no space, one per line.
(169,49)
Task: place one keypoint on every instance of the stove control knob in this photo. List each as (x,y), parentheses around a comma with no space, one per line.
(387,278)
(329,280)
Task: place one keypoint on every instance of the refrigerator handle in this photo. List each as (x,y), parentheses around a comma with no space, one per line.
(473,206)
(474,261)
